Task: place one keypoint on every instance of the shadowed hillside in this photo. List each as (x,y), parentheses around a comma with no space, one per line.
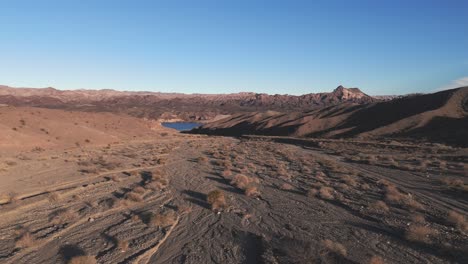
(440,117)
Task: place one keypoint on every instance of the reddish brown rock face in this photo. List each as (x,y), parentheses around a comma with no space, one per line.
(176,106)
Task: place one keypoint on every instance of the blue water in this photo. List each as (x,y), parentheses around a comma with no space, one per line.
(181,126)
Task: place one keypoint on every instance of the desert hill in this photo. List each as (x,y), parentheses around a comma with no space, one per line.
(441,116)
(38,128)
(175,105)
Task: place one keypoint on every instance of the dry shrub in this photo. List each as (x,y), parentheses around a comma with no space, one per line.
(286,186)
(226,173)
(392,194)
(252,191)
(334,247)
(202,159)
(114,178)
(312,192)
(326,193)
(216,199)
(53,197)
(83,260)
(349,180)
(139,190)
(380,206)
(163,220)
(365,186)
(158,180)
(133,197)
(418,218)
(63,216)
(155,185)
(241,181)
(25,239)
(184,209)
(122,245)
(376,260)
(419,233)
(457,220)
(412,204)
(453,182)
(384,182)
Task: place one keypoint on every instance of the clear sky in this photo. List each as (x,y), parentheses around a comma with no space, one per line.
(221,46)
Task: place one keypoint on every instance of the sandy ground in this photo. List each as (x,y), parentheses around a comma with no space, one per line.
(317,202)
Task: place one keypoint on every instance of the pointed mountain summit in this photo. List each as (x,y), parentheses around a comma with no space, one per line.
(348,93)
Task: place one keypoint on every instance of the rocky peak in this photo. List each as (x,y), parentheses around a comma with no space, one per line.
(348,93)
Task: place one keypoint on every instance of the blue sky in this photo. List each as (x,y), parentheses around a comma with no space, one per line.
(220,46)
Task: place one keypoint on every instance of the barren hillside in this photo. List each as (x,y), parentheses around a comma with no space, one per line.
(173,105)
(441,117)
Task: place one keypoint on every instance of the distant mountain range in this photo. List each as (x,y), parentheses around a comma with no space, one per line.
(176,105)
(438,117)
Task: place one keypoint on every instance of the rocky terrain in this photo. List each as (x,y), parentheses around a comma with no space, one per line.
(438,117)
(201,199)
(175,106)
(106,187)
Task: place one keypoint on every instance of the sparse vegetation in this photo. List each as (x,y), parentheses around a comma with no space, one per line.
(326,193)
(252,191)
(380,206)
(122,245)
(376,260)
(216,199)
(419,233)
(63,216)
(334,247)
(25,239)
(163,219)
(53,197)
(458,220)
(133,197)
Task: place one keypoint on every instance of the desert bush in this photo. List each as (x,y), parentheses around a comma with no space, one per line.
(216,199)
(286,186)
(458,220)
(241,181)
(349,180)
(419,233)
(155,185)
(122,245)
(25,240)
(63,216)
(452,182)
(392,194)
(226,173)
(418,218)
(376,260)
(114,178)
(326,193)
(139,190)
(380,206)
(312,192)
(334,247)
(163,219)
(252,191)
(53,197)
(83,260)
(365,186)
(133,197)
(202,159)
